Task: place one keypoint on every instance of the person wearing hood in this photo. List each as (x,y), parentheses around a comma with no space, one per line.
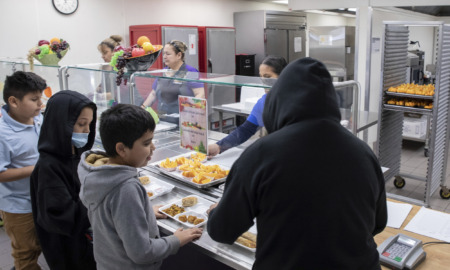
(317,191)
(123,219)
(60,217)
(269,70)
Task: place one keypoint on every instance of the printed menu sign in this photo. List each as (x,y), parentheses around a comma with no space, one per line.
(193,123)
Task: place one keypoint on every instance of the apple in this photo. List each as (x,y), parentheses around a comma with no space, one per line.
(37,52)
(43,42)
(136,52)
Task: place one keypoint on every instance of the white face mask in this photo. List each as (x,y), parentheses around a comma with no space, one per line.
(79,140)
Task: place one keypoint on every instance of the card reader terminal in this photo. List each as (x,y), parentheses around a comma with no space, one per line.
(401,252)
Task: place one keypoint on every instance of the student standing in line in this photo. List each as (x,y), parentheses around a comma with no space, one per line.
(269,70)
(282,179)
(123,219)
(20,125)
(61,219)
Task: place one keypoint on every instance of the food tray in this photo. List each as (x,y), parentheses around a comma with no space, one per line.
(157,187)
(176,174)
(395,94)
(407,109)
(198,210)
(252,230)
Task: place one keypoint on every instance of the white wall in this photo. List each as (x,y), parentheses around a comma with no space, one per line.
(23,23)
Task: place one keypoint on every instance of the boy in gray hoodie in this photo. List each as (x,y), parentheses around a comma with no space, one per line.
(123,220)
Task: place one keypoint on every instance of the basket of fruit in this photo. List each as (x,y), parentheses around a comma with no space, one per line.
(49,53)
(139,57)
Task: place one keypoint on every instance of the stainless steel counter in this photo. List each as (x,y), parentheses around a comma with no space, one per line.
(167,146)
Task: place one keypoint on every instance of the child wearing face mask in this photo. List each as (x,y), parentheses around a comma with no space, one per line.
(60,218)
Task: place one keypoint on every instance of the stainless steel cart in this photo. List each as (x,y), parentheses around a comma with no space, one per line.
(395,47)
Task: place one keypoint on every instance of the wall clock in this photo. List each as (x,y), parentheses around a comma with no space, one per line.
(65,7)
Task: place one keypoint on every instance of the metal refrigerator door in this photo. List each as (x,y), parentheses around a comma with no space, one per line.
(221,50)
(189,35)
(276,43)
(297,41)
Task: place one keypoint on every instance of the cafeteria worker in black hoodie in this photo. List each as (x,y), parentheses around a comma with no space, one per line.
(317,191)
(60,217)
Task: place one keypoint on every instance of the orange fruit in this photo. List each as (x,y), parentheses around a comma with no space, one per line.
(141,40)
(148,47)
(54,39)
(48,92)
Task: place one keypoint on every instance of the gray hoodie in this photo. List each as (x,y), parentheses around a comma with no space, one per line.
(124,225)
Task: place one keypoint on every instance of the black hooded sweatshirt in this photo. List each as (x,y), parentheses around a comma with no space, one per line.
(60,217)
(316,190)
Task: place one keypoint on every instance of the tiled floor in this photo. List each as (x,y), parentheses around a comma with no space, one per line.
(413,162)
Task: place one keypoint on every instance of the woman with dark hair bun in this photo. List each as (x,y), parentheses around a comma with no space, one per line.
(269,70)
(166,91)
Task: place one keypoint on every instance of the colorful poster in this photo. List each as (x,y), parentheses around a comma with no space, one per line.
(193,123)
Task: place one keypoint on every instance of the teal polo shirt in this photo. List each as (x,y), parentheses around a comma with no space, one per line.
(18,148)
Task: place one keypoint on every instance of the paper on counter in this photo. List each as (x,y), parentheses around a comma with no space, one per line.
(397,213)
(431,223)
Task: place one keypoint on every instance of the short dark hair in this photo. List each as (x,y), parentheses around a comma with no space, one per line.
(21,83)
(124,123)
(277,63)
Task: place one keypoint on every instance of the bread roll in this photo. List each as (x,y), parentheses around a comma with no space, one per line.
(144,180)
(189,201)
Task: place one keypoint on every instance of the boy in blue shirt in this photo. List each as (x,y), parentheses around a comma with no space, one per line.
(20,125)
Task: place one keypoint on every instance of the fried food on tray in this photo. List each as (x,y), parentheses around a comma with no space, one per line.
(246,242)
(144,180)
(174,210)
(198,221)
(150,194)
(182,218)
(191,219)
(250,236)
(189,201)
(414,89)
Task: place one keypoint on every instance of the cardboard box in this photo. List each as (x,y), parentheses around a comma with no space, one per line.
(415,127)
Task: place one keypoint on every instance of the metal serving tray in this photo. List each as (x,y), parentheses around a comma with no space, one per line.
(177,175)
(395,94)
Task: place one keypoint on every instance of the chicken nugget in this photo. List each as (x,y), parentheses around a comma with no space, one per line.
(182,218)
(191,219)
(198,221)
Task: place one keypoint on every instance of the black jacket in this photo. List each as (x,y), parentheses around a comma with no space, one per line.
(316,190)
(60,217)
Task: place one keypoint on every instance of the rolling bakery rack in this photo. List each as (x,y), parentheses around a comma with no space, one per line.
(394,60)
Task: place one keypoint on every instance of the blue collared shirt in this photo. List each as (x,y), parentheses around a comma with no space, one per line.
(18,148)
(255,116)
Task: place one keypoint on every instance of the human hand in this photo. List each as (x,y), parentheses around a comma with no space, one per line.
(157,213)
(211,208)
(186,236)
(213,149)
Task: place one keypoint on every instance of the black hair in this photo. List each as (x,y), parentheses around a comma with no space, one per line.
(21,83)
(277,63)
(124,123)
